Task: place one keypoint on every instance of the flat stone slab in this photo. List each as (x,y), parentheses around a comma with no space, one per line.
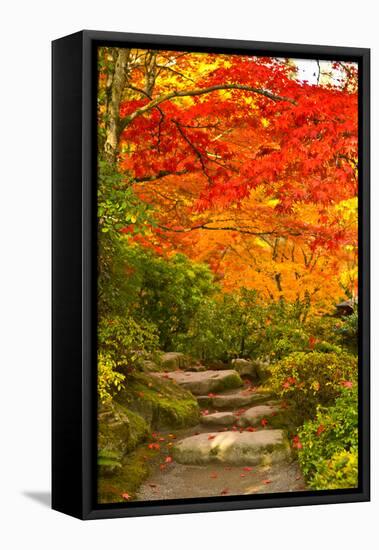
(254,415)
(204,382)
(232,399)
(219,419)
(234,448)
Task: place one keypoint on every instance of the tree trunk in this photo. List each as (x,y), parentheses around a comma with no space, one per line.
(117,85)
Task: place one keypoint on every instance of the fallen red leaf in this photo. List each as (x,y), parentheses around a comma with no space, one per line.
(224,491)
(211,436)
(168,459)
(214,475)
(126,496)
(267,481)
(251,429)
(247,468)
(264,422)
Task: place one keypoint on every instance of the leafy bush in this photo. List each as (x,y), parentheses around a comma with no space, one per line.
(347,330)
(329,444)
(223,327)
(164,291)
(309,379)
(123,345)
(109,381)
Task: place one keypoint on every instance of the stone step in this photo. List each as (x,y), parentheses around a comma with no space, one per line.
(254,415)
(204,382)
(233,399)
(234,448)
(219,419)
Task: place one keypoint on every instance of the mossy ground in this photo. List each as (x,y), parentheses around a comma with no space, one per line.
(161,403)
(135,469)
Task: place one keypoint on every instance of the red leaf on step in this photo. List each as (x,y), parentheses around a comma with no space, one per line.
(211,394)
(224,491)
(211,436)
(264,422)
(126,496)
(251,429)
(242,475)
(247,468)
(214,475)
(168,459)
(267,481)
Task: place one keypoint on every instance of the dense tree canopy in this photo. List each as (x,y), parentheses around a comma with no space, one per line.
(244,166)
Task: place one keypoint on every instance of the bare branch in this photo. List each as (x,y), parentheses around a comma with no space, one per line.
(197,92)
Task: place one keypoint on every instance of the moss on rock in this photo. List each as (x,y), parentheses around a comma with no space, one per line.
(161,403)
(120,430)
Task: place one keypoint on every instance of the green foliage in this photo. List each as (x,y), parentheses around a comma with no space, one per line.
(119,209)
(309,379)
(108,461)
(109,380)
(347,331)
(167,292)
(123,345)
(223,327)
(244,325)
(329,444)
(117,204)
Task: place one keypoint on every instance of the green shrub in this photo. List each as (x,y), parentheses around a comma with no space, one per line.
(327,347)
(347,331)
(123,344)
(329,444)
(309,379)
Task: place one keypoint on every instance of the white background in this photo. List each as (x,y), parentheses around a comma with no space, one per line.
(26,31)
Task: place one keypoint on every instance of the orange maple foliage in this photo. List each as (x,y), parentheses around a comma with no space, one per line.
(248,169)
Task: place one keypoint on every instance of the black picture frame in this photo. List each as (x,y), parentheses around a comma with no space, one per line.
(74,275)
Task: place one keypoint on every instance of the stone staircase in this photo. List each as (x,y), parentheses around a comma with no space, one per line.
(238,417)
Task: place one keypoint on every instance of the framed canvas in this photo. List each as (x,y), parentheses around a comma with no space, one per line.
(210,275)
